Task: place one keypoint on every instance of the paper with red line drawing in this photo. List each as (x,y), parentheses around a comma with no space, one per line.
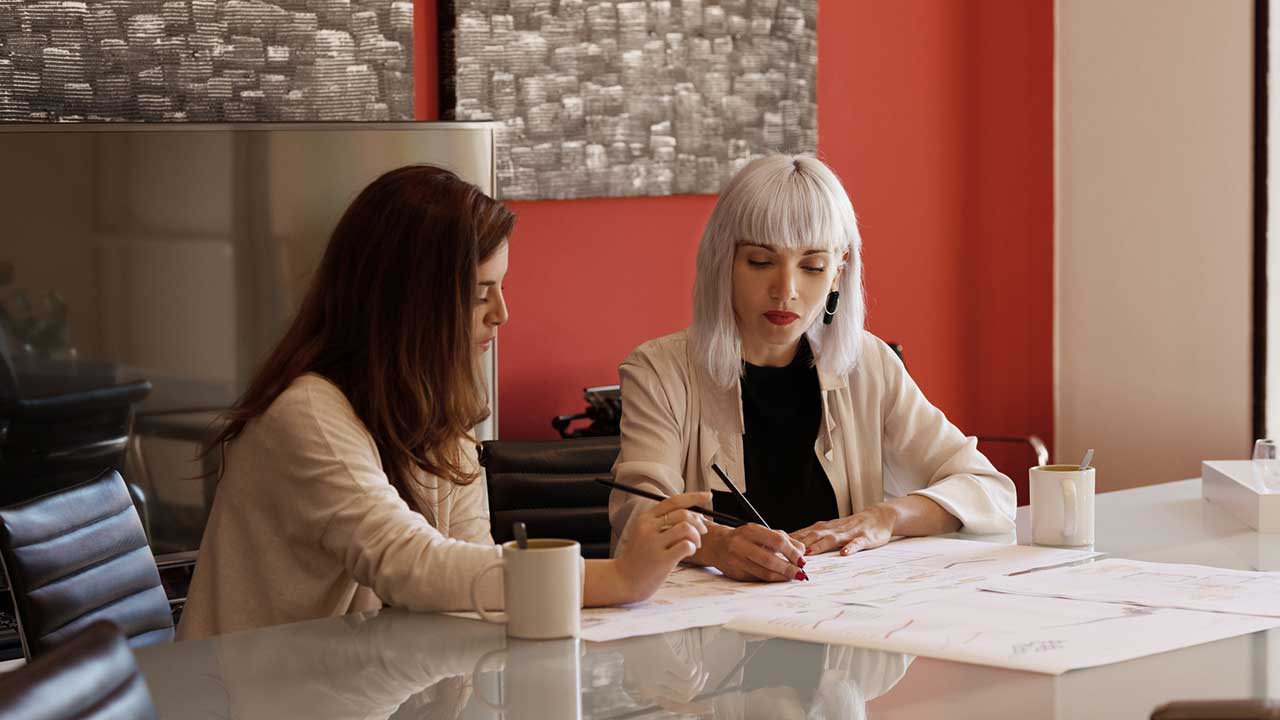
(918,570)
(921,597)
(1037,634)
(1190,587)
(900,573)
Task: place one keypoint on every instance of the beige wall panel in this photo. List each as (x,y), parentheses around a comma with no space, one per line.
(1154,123)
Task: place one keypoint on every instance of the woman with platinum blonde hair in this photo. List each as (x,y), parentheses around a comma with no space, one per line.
(778,383)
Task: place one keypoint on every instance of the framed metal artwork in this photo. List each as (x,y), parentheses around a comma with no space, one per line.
(206,60)
(646,97)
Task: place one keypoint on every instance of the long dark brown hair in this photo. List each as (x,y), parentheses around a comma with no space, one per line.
(387,318)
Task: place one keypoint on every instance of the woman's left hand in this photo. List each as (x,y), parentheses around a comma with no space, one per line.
(864,530)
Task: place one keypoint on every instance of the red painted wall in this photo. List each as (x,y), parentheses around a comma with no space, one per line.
(938,116)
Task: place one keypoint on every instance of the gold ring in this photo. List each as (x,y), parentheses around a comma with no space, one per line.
(666,522)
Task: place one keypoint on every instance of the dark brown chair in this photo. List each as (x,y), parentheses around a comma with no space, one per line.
(550,486)
(92,675)
(79,555)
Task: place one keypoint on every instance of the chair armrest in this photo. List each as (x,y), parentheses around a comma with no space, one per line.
(179,559)
(1037,445)
(560,423)
(176,582)
(139,497)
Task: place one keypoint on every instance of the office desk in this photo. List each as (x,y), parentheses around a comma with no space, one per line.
(406,665)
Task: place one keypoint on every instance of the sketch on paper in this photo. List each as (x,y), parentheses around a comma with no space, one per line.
(901,574)
(1039,634)
(1192,587)
(206,60)
(645,97)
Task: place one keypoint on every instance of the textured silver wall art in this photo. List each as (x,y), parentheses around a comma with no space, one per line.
(648,97)
(206,60)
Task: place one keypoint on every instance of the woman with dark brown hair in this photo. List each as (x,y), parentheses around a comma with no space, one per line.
(349,477)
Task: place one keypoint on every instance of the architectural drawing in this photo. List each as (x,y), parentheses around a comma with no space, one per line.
(1038,634)
(1191,587)
(898,574)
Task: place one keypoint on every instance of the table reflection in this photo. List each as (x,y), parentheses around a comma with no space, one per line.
(398,664)
(356,666)
(405,665)
(713,672)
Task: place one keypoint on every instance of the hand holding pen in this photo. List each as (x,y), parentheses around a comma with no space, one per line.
(754,551)
(748,551)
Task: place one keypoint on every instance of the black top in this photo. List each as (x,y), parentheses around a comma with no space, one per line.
(781,412)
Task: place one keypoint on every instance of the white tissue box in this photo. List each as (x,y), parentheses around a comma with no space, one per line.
(1244,491)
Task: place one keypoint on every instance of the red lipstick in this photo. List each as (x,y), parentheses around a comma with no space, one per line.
(781,317)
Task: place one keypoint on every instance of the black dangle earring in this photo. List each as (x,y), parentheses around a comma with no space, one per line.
(833,304)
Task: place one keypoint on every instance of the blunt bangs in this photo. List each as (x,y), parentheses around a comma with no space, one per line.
(789,210)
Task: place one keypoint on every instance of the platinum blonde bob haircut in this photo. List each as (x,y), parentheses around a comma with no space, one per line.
(790,202)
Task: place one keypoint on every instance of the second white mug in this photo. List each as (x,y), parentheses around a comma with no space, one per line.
(1062,505)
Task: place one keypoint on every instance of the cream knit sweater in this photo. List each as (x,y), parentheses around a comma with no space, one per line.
(305,525)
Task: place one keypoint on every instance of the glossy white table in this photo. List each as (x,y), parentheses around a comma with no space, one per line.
(405,665)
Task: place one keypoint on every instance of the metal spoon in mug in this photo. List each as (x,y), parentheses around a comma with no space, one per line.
(522,535)
(1088,458)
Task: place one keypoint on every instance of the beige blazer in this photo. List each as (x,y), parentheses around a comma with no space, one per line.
(305,524)
(879,437)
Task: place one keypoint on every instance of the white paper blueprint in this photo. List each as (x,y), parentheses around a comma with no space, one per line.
(898,574)
(1038,634)
(918,570)
(1190,587)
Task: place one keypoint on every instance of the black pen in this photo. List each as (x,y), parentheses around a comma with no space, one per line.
(738,494)
(723,518)
(742,498)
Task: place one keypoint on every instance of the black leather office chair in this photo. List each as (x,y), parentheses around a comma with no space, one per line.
(91,675)
(550,487)
(78,555)
(59,425)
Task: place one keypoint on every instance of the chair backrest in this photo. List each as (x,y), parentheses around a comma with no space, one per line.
(66,432)
(79,555)
(550,487)
(92,675)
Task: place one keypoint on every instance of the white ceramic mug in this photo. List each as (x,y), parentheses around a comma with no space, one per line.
(1062,505)
(541,589)
(537,680)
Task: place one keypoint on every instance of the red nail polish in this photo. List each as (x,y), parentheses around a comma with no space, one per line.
(800,562)
(801,576)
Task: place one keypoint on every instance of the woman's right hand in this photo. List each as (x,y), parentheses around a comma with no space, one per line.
(754,552)
(657,540)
